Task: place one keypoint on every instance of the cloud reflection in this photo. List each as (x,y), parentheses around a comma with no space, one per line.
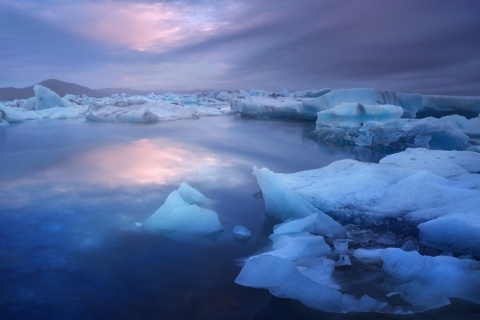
(141,167)
(145,161)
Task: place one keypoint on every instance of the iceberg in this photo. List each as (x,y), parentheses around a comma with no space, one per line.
(436,106)
(306,104)
(449,133)
(311,93)
(181,217)
(410,103)
(46,98)
(262,106)
(143,113)
(354,115)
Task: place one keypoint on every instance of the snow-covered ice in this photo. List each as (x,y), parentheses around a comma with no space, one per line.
(181,216)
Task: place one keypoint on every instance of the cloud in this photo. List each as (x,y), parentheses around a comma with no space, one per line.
(405,45)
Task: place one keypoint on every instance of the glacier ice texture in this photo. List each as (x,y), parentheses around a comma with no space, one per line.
(447,133)
(182,216)
(354,114)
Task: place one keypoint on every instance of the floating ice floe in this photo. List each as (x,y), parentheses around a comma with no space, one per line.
(436,191)
(182,217)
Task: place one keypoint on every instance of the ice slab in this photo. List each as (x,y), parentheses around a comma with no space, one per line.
(354,115)
(46,98)
(180,218)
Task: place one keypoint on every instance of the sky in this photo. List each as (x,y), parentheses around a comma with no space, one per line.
(426,46)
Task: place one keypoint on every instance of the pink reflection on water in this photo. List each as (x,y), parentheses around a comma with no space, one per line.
(144,162)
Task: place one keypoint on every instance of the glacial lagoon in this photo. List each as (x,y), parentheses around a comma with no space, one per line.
(72,192)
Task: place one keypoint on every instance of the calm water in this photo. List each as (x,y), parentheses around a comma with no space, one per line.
(71,192)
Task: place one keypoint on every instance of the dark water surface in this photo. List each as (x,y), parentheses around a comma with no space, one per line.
(71,192)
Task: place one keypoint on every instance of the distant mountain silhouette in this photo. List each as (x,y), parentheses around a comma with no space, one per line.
(62,88)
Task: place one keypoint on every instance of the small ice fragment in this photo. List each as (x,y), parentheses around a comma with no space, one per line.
(241,234)
(138,224)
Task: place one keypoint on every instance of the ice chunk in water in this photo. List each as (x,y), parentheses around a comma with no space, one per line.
(428,282)
(241,234)
(354,115)
(180,219)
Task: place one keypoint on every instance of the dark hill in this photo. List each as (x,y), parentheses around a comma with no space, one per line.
(62,88)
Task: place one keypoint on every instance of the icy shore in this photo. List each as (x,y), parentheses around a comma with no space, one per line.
(435,194)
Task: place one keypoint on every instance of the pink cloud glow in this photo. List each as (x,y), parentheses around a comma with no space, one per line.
(139,26)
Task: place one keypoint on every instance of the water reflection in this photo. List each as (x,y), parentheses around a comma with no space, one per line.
(145,161)
(71,192)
